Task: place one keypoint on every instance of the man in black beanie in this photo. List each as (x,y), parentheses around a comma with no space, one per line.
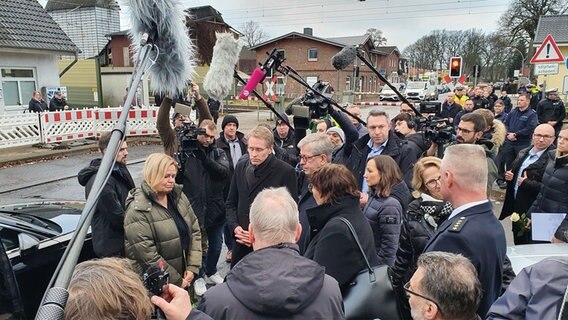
(234,144)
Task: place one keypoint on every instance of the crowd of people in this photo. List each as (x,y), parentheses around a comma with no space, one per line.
(278,197)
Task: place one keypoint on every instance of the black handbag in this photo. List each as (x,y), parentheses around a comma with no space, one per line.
(370,295)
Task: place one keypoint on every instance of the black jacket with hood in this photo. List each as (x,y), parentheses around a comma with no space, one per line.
(264,285)
(108,221)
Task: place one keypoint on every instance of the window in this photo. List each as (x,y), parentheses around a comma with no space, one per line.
(311,80)
(18,85)
(348,83)
(313,54)
(9,239)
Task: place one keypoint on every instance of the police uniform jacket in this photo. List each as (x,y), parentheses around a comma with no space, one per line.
(479,236)
(551,110)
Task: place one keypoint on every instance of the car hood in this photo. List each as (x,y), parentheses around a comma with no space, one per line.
(525,255)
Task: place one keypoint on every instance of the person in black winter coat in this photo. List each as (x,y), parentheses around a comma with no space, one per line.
(315,151)
(284,138)
(551,110)
(332,245)
(205,172)
(36,103)
(450,109)
(523,187)
(405,126)
(380,140)
(234,144)
(58,103)
(383,211)
(274,281)
(553,195)
(506,101)
(419,224)
(108,220)
(257,170)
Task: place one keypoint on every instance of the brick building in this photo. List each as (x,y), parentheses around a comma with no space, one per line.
(311,57)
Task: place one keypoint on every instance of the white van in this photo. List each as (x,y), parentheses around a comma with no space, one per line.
(421,90)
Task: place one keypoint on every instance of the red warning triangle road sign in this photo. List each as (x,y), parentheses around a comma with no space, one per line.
(548,52)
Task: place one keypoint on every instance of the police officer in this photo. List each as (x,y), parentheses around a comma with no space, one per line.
(551,110)
(472,229)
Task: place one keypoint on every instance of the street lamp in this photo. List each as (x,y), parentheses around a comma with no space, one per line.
(522,57)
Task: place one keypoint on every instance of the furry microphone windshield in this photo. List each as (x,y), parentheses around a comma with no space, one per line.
(219,79)
(344,58)
(164,22)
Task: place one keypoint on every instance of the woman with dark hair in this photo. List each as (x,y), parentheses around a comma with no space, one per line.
(419,224)
(159,223)
(383,211)
(332,245)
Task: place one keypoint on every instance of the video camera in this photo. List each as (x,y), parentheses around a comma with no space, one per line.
(187,134)
(312,106)
(435,129)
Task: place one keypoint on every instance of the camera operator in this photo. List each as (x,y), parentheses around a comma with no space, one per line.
(406,126)
(205,171)
(470,131)
(167,134)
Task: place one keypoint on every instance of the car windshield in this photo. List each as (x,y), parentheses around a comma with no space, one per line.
(416,85)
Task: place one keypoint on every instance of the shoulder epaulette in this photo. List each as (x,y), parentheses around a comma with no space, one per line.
(458,225)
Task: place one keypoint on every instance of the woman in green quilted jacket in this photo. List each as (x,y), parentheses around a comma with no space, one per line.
(160,226)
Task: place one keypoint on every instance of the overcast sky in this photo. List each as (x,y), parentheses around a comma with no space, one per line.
(402,21)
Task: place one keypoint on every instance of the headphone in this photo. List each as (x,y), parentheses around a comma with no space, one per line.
(411,122)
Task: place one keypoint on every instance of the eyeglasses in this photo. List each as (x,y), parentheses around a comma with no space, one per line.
(305,158)
(409,292)
(434,182)
(466,131)
(543,136)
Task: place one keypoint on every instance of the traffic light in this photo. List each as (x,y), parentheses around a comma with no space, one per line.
(455,67)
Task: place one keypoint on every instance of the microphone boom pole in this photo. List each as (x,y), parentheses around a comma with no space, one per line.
(261,98)
(54,300)
(383,79)
(289,71)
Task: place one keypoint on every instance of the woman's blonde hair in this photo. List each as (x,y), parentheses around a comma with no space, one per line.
(107,289)
(155,168)
(418,183)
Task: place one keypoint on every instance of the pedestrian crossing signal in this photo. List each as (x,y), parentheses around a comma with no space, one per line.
(455,67)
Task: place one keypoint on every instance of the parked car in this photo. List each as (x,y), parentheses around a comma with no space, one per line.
(525,255)
(388,94)
(421,90)
(34,237)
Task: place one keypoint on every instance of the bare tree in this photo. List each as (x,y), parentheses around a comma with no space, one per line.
(433,51)
(252,33)
(520,20)
(376,37)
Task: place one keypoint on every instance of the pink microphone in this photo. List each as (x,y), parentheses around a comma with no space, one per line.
(255,78)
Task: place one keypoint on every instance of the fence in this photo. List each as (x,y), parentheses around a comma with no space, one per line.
(20,129)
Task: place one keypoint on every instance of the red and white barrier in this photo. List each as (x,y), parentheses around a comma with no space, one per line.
(380,103)
(79,124)
(68,125)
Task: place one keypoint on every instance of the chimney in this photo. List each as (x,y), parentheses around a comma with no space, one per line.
(309,31)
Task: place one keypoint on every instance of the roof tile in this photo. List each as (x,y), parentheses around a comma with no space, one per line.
(18,31)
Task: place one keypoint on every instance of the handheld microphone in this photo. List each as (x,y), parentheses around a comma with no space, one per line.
(255,78)
(344,58)
(164,22)
(273,61)
(219,79)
